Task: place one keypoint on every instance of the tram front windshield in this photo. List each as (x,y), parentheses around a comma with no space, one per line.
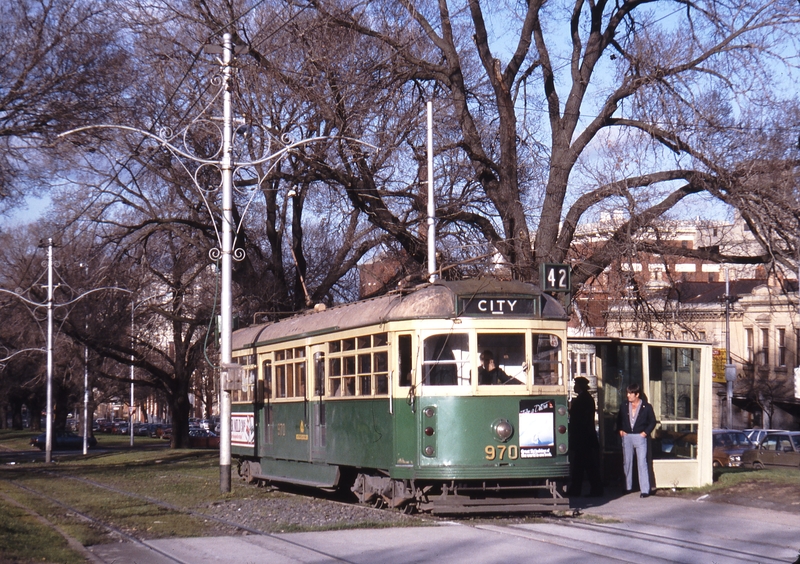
(501,359)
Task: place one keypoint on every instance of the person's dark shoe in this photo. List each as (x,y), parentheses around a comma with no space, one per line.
(644,495)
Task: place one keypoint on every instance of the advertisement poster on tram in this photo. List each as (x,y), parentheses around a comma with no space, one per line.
(243,430)
(536,428)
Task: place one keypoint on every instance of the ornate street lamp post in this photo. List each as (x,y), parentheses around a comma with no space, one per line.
(223,161)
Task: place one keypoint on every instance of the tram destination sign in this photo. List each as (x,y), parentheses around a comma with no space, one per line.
(502,306)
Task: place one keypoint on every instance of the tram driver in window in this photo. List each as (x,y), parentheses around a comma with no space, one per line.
(488,373)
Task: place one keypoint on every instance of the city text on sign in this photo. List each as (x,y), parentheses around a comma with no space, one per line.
(498,305)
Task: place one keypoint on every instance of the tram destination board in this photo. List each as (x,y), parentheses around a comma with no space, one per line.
(503,306)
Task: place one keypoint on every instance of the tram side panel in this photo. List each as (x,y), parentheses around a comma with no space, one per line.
(481,438)
(358,433)
(311,442)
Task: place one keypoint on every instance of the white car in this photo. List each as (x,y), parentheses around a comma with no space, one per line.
(757,435)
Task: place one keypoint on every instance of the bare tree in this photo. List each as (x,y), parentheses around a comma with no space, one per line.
(62,64)
(678,81)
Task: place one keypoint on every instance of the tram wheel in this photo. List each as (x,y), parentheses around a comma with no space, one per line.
(247,473)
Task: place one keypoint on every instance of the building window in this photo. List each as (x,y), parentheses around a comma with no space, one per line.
(765,347)
(797,348)
(782,347)
(750,346)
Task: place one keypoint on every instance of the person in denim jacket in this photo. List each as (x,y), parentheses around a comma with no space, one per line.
(635,421)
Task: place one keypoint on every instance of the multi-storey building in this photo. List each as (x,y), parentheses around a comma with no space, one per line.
(754,324)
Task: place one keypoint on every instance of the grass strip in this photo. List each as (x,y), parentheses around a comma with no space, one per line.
(29,537)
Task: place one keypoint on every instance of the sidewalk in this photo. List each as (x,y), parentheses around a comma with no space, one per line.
(734,528)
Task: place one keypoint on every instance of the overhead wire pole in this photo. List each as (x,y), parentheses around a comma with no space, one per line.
(431,201)
(130,418)
(730,369)
(225,254)
(226,314)
(86,380)
(49,422)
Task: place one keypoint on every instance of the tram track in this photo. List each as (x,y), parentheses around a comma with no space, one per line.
(607,542)
(623,544)
(119,533)
(696,547)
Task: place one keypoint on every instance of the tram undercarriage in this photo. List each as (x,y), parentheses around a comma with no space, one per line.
(458,497)
(425,496)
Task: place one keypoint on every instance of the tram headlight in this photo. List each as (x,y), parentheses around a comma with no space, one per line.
(503,429)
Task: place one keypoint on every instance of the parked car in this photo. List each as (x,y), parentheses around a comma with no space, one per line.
(203,438)
(157,430)
(757,435)
(120,427)
(729,446)
(781,448)
(62,440)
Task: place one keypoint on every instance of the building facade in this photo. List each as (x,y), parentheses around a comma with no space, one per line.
(752,320)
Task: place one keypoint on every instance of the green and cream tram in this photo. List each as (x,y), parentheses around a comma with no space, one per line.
(449,397)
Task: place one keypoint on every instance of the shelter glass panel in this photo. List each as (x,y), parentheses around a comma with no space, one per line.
(675,396)
(622,365)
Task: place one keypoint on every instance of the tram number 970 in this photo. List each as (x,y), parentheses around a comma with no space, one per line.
(501,452)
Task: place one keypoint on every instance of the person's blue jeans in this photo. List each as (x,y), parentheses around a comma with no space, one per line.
(635,443)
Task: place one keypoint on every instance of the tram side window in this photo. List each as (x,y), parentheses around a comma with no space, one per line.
(446,360)
(319,373)
(290,373)
(404,359)
(546,356)
(266,373)
(358,366)
(502,359)
(246,393)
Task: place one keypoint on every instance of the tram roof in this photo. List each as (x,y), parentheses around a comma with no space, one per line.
(433,300)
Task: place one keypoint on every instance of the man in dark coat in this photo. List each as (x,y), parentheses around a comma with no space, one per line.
(635,422)
(584,447)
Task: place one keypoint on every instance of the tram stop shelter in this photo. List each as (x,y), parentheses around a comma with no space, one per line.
(675,377)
